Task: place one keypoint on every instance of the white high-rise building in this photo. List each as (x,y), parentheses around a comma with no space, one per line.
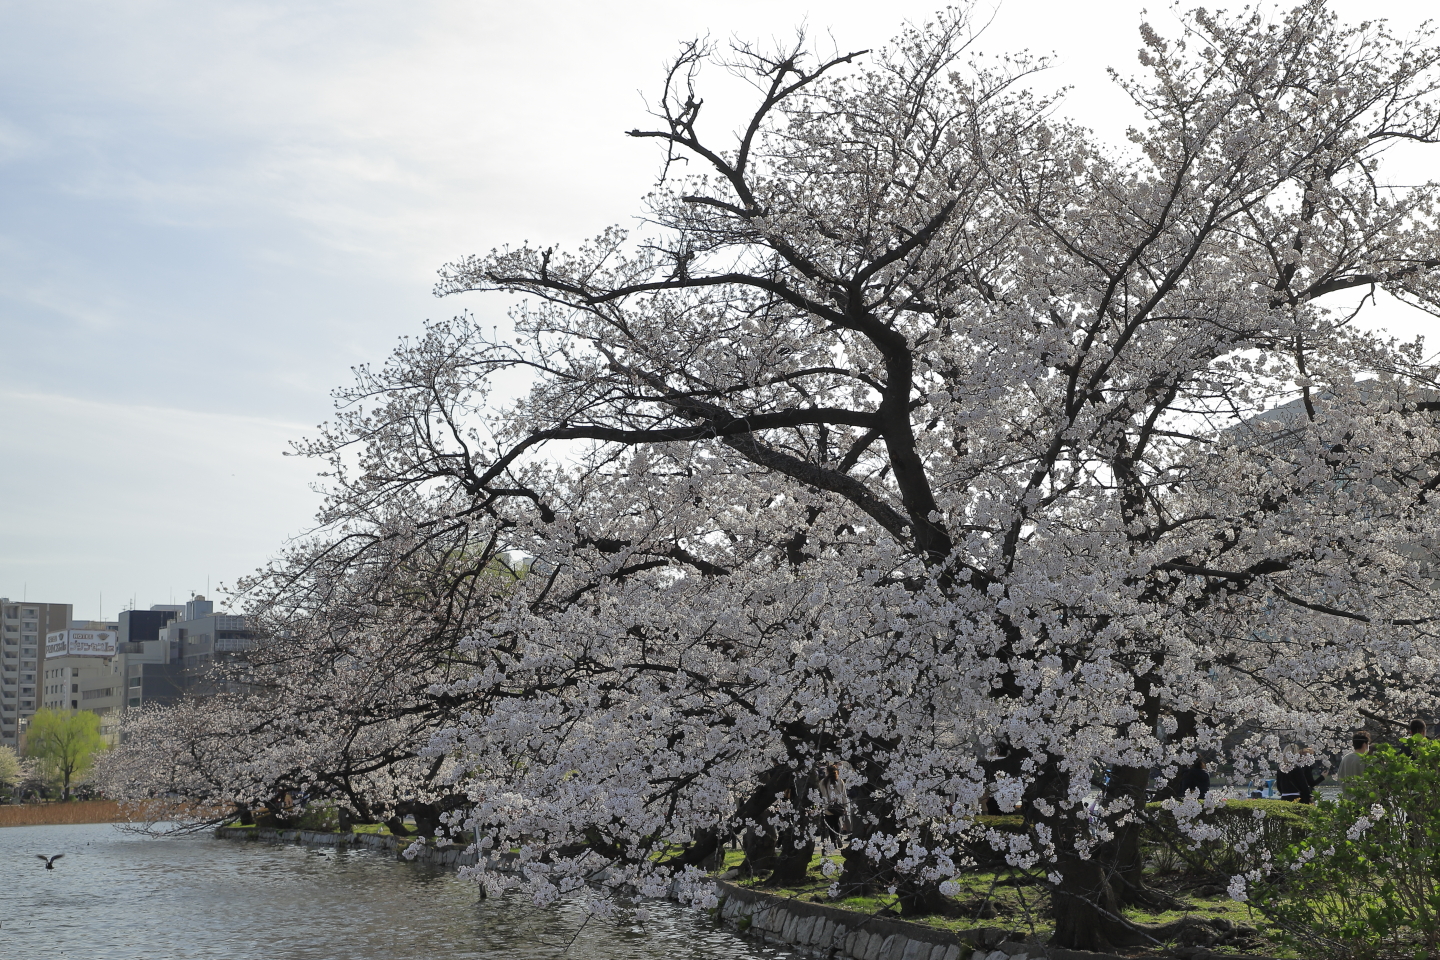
(23,626)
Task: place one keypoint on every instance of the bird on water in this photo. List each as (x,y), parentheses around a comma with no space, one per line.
(49,861)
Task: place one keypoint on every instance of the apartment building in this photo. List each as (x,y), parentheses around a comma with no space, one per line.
(23,625)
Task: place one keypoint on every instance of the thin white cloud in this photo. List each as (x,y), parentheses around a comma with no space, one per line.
(133,499)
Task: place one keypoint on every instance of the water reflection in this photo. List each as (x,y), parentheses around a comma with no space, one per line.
(116,896)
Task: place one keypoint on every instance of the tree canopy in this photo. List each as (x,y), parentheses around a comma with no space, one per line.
(915,430)
(65,744)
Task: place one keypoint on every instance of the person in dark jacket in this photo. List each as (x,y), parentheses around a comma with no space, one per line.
(1298,783)
(1196,778)
(1417,729)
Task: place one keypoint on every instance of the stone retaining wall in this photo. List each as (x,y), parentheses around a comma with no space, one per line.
(815,930)
(451,856)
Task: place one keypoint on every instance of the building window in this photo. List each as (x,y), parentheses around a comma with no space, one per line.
(134,681)
(134,701)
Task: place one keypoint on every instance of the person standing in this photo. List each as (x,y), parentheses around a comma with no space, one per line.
(1196,778)
(1417,729)
(1353,763)
(836,803)
(1298,783)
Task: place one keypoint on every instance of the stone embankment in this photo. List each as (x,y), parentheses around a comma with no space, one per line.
(450,856)
(809,929)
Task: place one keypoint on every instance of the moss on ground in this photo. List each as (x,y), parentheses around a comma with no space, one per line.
(1016,900)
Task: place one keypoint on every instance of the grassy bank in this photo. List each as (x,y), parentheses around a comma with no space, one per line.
(1017,901)
(73,811)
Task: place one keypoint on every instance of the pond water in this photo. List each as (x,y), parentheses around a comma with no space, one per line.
(117,896)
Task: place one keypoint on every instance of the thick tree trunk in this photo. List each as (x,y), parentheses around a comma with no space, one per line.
(1124,853)
(871,815)
(918,897)
(759,841)
(701,852)
(1184,727)
(1087,909)
(1089,900)
(760,851)
(792,862)
(921,899)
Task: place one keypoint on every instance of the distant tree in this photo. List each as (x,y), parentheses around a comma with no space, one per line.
(10,771)
(66,745)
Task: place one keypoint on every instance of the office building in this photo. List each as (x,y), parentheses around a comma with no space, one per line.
(179,659)
(84,670)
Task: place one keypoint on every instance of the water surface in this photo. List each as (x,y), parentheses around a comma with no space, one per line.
(117,896)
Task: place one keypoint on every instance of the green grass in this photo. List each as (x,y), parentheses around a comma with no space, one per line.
(1024,908)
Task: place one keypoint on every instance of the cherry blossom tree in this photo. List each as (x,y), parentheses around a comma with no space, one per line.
(919,431)
(335,702)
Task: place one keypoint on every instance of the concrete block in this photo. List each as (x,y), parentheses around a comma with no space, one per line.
(788,928)
(952,952)
(878,947)
(916,950)
(822,931)
(854,943)
(804,926)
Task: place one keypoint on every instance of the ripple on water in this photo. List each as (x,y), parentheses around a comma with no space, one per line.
(117,896)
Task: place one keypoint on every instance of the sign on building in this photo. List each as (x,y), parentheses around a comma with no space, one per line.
(81,643)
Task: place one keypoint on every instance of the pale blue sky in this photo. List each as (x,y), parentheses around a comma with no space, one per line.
(209,211)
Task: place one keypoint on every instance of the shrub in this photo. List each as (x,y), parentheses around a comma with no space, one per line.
(1005,822)
(1364,884)
(1237,836)
(322,817)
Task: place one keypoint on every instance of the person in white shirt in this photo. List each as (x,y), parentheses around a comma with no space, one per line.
(1353,764)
